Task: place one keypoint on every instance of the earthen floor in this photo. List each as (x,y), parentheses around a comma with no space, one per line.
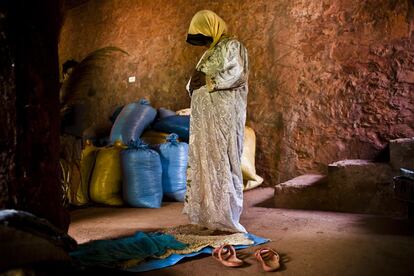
(310,243)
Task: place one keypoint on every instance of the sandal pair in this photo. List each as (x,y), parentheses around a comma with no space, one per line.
(267,257)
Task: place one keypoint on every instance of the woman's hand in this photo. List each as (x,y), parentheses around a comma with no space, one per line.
(198,79)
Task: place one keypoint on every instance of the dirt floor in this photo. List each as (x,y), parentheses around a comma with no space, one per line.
(310,243)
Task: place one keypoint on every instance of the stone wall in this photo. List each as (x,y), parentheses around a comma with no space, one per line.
(329,80)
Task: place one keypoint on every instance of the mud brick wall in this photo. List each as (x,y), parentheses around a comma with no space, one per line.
(329,80)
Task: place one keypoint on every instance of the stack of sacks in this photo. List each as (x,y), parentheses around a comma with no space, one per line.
(106,181)
(250,178)
(142,173)
(137,172)
(174,158)
(132,121)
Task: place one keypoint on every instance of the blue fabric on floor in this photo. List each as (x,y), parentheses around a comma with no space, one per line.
(175,258)
(110,253)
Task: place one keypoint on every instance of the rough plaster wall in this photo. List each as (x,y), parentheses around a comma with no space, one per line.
(329,79)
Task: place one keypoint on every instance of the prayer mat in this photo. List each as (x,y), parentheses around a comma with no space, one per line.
(199,240)
(156,250)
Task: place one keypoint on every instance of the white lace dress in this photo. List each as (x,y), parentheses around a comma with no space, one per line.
(214,196)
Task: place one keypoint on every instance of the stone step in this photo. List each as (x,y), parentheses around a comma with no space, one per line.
(307,192)
(353,186)
(363,186)
(402,153)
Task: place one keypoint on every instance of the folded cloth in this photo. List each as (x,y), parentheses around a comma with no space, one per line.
(113,253)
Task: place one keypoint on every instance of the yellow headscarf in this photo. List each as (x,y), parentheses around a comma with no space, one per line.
(208,23)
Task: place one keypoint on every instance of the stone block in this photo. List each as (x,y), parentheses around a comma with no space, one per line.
(353,186)
(306,192)
(402,153)
(362,186)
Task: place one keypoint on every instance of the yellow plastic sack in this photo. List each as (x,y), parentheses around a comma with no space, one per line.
(106,182)
(88,156)
(153,137)
(250,177)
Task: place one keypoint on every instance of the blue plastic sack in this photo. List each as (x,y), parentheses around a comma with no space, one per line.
(142,175)
(164,113)
(174,158)
(174,124)
(116,131)
(132,121)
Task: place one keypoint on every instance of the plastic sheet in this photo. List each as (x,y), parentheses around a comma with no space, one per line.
(142,172)
(174,158)
(132,121)
(175,124)
(106,182)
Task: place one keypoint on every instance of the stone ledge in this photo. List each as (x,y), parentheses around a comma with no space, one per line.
(354,172)
(351,162)
(353,186)
(303,181)
(402,153)
(306,192)
(363,186)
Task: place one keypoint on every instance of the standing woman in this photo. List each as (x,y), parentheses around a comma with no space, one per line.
(219,89)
